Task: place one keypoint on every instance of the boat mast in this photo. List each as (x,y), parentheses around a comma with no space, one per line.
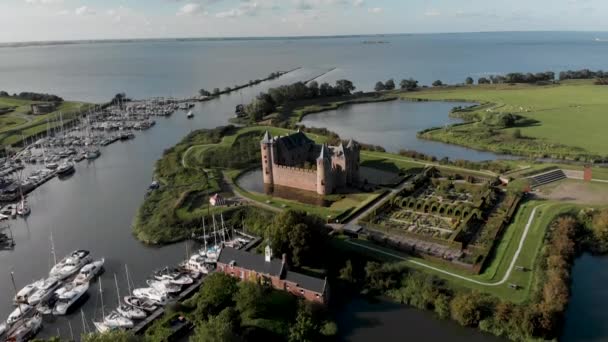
(53,249)
(214,231)
(204,235)
(84,322)
(103,314)
(71,331)
(15,288)
(223,227)
(128,282)
(117,291)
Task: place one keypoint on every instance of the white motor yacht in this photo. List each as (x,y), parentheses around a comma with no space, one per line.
(89,271)
(20,312)
(198,263)
(23,295)
(172,276)
(25,331)
(151,294)
(70,264)
(68,298)
(164,286)
(140,303)
(115,320)
(45,291)
(131,312)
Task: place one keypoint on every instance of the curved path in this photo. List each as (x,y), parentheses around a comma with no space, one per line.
(500,282)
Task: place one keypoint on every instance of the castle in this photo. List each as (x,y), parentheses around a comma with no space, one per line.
(298,162)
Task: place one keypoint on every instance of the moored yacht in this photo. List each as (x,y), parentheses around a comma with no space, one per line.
(131,312)
(23,209)
(45,291)
(93,154)
(190,115)
(116,321)
(164,286)
(151,294)
(141,303)
(65,169)
(23,295)
(172,276)
(25,331)
(89,271)
(19,313)
(70,264)
(67,299)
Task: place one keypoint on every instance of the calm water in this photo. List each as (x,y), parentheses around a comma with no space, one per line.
(362,321)
(393,125)
(94,209)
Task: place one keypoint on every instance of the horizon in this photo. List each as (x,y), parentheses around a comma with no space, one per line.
(25,43)
(75,20)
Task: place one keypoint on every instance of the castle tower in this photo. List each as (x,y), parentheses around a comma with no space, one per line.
(267,147)
(354,151)
(323,172)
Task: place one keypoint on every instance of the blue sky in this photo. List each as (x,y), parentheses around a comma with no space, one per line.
(40,20)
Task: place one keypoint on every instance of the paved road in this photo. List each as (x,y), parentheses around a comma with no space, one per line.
(500,282)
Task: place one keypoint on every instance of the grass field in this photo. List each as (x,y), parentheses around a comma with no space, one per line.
(16,125)
(571,114)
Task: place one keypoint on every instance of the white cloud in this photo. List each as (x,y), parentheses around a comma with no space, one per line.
(249,9)
(432,13)
(84,10)
(44,2)
(190,9)
(376,10)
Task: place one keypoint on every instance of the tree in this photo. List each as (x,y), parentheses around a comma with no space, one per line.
(221,328)
(216,293)
(4,94)
(204,92)
(299,243)
(600,231)
(261,106)
(379,86)
(483,80)
(313,89)
(469,80)
(516,133)
(227,89)
(249,299)
(345,87)
(409,84)
(216,91)
(325,90)
(437,83)
(329,329)
(111,336)
(442,306)
(468,309)
(346,273)
(304,329)
(389,85)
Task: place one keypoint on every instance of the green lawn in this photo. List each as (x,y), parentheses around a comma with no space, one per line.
(572,114)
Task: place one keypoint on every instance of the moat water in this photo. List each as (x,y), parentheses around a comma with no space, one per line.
(95,207)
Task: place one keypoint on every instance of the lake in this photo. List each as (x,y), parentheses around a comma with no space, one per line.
(95,207)
(394,124)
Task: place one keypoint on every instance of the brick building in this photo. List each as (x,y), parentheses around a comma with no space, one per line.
(42,108)
(266,270)
(298,162)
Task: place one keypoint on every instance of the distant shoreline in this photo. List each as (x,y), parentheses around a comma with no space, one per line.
(218,39)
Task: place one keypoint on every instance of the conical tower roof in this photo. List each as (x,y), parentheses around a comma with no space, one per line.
(325,154)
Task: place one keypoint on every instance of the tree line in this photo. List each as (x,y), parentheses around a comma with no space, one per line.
(31,96)
(267,103)
(217,91)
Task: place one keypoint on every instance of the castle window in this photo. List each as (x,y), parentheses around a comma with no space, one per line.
(264,147)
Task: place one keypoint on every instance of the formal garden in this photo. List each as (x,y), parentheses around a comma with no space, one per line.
(451,217)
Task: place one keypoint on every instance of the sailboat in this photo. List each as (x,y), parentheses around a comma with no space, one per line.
(27,330)
(190,115)
(127,311)
(23,209)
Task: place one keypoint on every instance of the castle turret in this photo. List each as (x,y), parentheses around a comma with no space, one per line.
(267,146)
(324,171)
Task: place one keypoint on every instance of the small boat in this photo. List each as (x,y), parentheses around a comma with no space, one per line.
(52,166)
(151,294)
(89,271)
(66,169)
(198,263)
(115,320)
(2,329)
(19,313)
(140,303)
(27,330)
(172,276)
(92,154)
(23,209)
(70,264)
(131,312)
(190,115)
(45,291)
(79,158)
(164,286)
(46,308)
(68,298)
(23,295)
